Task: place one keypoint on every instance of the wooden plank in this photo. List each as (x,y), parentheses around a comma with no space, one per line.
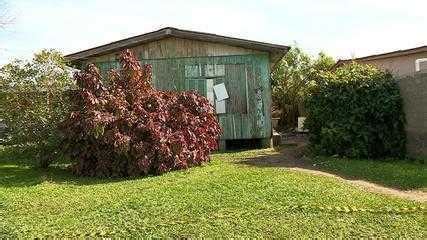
(235,84)
(247,121)
(176,47)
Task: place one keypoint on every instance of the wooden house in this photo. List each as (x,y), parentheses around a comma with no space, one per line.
(234,74)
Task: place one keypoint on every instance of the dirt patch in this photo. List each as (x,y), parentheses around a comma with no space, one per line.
(293,157)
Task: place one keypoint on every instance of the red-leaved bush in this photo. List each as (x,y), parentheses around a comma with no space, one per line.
(131,129)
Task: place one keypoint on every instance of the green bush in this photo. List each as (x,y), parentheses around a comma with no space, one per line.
(356,111)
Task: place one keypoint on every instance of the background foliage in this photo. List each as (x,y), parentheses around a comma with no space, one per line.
(34,100)
(291,81)
(131,129)
(356,111)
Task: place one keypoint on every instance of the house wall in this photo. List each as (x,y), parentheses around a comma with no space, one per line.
(399,66)
(246,76)
(414,93)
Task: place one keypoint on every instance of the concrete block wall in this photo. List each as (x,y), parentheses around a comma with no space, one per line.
(414,92)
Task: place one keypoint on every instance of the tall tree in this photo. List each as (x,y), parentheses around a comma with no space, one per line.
(292,79)
(33,99)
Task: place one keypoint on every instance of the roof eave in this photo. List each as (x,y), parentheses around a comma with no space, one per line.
(397,53)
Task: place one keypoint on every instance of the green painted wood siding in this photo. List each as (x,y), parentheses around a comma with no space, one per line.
(246,78)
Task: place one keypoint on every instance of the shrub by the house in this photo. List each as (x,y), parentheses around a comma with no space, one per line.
(356,111)
(132,129)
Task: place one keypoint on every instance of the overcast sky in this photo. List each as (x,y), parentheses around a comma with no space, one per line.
(341,28)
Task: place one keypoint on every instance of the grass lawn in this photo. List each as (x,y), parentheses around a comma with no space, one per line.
(225,198)
(395,174)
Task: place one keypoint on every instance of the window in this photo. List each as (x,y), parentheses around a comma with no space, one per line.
(421,65)
(203,77)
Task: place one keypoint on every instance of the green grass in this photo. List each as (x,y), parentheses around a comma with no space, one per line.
(224,198)
(399,174)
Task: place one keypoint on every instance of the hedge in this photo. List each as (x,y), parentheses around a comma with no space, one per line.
(356,111)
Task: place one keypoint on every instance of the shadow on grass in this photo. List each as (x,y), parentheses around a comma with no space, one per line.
(25,176)
(17,169)
(398,174)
